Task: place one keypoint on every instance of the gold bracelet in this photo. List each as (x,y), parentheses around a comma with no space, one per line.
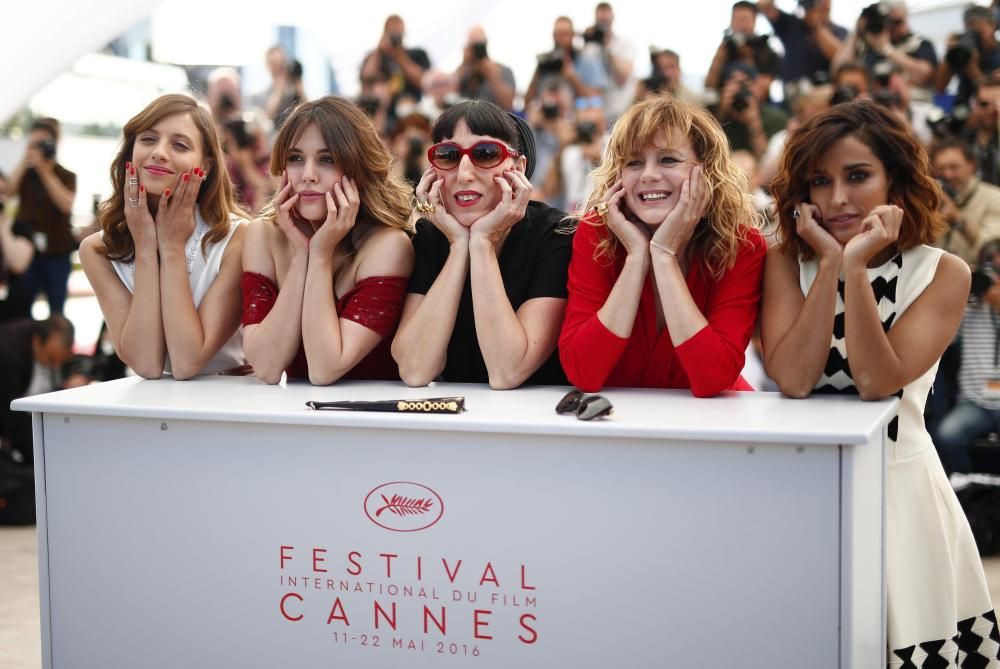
(660,247)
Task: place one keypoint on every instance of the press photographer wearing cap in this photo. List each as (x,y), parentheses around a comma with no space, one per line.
(741,44)
(882,33)
(970,207)
(45,191)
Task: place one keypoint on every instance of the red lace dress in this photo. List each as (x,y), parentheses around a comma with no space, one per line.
(375,302)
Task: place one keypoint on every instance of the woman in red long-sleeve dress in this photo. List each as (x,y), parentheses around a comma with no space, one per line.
(665,278)
(325,267)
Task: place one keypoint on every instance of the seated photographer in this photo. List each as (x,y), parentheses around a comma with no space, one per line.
(740,44)
(587,77)
(977,411)
(970,207)
(882,33)
(746,120)
(481,78)
(972,55)
(810,40)
(665,77)
(16,252)
(45,191)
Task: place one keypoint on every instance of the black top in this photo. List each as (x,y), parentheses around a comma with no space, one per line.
(15,302)
(533,262)
(803,57)
(46,219)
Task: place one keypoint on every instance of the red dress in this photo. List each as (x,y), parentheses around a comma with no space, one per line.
(707,363)
(375,302)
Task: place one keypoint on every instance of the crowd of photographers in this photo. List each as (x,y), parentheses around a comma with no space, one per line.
(761,86)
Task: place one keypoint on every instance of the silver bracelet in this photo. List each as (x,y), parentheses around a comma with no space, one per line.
(660,247)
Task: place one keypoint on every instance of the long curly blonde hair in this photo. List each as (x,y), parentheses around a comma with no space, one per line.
(730,215)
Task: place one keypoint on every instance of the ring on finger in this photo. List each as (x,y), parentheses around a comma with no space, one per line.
(795,213)
(133,201)
(134,181)
(602,209)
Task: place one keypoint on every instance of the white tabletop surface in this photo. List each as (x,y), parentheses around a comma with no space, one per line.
(751,417)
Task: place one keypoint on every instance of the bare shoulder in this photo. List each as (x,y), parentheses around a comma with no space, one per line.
(954,274)
(386,251)
(92,250)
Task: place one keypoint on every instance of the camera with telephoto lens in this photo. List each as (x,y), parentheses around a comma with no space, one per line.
(959,55)
(843,94)
(586,131)
(742,99)
(983,278)
(595,34)
(550,63)
(873,19)
(737,40)
(882,70)
(550,110)
(46,147)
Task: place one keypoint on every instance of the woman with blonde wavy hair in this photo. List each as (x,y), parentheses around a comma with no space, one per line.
(667,263)
(166,264)
(325,267)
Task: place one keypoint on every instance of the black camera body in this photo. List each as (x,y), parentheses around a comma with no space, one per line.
(595,34)
(843,94)
(983,278)
(550,110)
(396,40)
(550,63)
(944,125)
(742,99)
(46,147)
(479,51)
(586,131)
(874,16)
(959,55)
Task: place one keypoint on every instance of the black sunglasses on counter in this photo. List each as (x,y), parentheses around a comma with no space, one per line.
(585,407)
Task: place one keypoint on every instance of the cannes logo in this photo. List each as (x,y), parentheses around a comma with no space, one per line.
(402,506)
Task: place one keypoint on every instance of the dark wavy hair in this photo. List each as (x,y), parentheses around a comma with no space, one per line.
(216,197)
(907,167)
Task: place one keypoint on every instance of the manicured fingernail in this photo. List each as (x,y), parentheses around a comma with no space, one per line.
(142,189)
(128,167)
(166,193)
(186,177)
(132,169)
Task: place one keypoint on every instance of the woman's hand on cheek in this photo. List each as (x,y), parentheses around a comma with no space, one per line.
(341,214)
(515,191)
(176,212)
(678,227)
(137,216)
(879,230)
(284,202)
(808,228)
(454,232)
(633,236)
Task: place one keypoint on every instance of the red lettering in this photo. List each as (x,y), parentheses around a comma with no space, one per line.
(317,559)
(352,558)
(390,620)
(281,606)
(285,557)
(524,583)
(439,624)
(534,634)
(477,623)
(419,569)
(489,570)
(388,563)
(337,613)
(451,576)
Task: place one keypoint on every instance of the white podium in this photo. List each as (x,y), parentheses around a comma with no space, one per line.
(220,523)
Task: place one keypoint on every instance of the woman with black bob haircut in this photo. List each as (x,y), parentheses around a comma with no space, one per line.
(488,290)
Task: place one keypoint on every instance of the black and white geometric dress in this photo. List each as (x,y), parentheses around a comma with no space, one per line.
(939,609)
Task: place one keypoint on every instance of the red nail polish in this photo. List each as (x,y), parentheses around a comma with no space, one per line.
(186,177)
(166,193)
(128,167)
(142,189)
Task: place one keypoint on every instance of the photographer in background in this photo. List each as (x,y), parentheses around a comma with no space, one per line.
(552,120)
(440,92)
(665,77)
(16,252)
(480,78)
(810,39)
(980,130)
(741,44)
(746,120)
(971,56)
(977,410)
(882,34)
(565,63)
(286,89)
(971,207)
(619,56)
(409,143)
(401,68)
(581,156)
(45,191)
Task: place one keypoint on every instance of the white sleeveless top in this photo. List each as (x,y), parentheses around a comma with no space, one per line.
(202,269)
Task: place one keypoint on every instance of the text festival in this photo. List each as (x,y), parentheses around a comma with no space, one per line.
(384,614)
